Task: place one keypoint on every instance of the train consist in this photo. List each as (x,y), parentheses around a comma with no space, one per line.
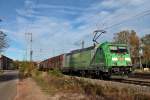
(5,63)
(102,61)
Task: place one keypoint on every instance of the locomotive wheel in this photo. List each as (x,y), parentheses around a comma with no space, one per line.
(82,73)
(106,77)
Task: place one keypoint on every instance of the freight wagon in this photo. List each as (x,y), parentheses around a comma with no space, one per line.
(5,63)
(101,61)
(51,63)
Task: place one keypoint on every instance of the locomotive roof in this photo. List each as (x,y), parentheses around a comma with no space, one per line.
(92,47)
(52,57)
(84,49)
(111,43)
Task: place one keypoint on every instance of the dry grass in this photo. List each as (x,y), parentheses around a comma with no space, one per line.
(141,71)
(54,83)
(27,89)
(1,72)
(72,88)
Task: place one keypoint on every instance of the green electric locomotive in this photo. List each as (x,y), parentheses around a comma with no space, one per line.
(102,60)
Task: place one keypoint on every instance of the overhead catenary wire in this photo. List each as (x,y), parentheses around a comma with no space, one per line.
(139,15)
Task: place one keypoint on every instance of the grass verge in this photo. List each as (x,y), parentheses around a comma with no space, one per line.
(53,82)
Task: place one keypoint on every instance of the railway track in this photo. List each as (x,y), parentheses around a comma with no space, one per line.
(140,75)
(136,81)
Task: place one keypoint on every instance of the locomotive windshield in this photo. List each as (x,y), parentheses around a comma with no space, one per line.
(118,49)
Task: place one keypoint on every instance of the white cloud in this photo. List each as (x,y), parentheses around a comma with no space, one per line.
(27,13)
(45,6)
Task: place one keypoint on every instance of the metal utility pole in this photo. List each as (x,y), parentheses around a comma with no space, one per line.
(31,40)
(82,43)
(140,54)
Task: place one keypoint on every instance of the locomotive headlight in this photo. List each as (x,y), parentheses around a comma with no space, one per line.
(128,59)
(114,59)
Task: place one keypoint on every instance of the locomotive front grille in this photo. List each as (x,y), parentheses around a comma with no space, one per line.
(120,70)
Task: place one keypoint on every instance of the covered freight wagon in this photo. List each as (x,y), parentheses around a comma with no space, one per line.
(51,63)
(5,63)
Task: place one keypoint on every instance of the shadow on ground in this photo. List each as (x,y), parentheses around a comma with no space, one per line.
(8,77)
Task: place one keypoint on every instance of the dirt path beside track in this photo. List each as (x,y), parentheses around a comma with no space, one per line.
(27,89)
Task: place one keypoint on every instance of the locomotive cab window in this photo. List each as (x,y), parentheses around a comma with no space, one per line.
(113,49)
(119,49)
(122,50)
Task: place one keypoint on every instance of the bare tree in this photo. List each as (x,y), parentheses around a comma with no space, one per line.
(3,41)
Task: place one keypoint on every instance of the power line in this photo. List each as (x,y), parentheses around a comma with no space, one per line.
(141,14)
(144,13)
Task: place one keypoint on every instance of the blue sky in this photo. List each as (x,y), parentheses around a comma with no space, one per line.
(59,26)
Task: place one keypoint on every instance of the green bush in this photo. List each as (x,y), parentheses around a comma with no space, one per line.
(25,69)
(55,72)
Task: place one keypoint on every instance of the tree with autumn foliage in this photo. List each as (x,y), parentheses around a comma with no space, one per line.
(146,49)
(134,42)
